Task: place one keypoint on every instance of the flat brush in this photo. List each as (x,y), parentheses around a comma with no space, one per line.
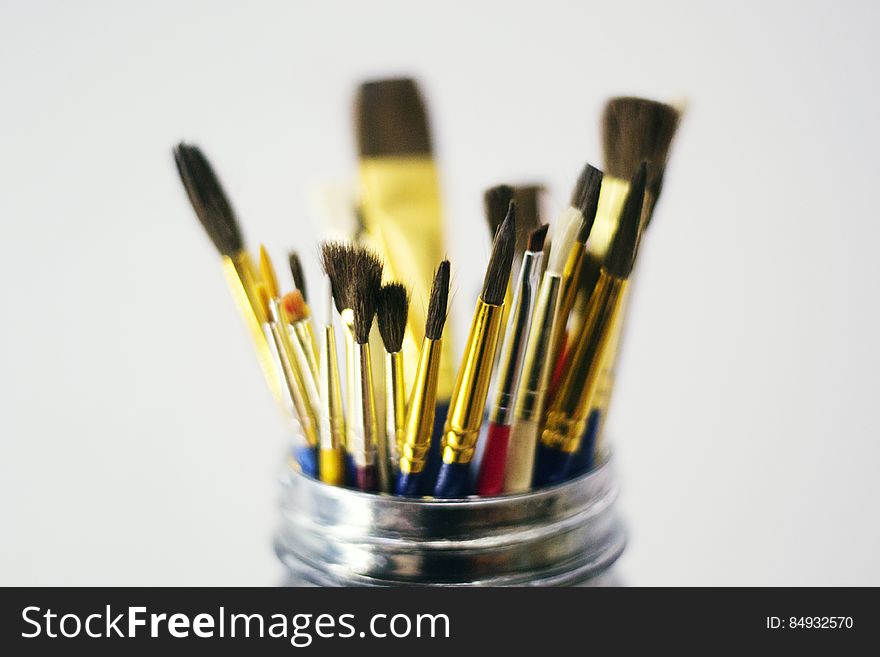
(634,130)
(491,477)
(391,318)
(468,399)
(546,326)
(217,217)
(419,423)
(303,326)
(568,413)
(400,198)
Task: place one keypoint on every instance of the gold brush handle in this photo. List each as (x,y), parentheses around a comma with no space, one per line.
(521,456)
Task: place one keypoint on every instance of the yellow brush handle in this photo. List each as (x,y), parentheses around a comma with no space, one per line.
(331,466)
(521,456)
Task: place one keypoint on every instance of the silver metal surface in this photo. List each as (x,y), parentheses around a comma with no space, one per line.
(565,535)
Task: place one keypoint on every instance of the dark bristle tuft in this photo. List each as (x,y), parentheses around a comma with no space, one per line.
(498,271)
(635,130)
(586,199)
(537,237)
(496,201)
(528,214)
(208,199)
(336,261)
(391,119)
(437,306)
(391,315)
(296,271)
(363,283)
(622,252)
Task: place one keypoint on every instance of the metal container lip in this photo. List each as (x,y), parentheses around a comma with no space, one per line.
(470,502)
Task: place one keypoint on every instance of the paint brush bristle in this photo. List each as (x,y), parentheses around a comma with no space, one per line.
(585,198)
(208,199)
(391,315)
(363,283)
(498,271)
(536,239)
(622,253)
(496,202)
(635,130)
(296,271)
(336,261)
(391,119)
(437,306)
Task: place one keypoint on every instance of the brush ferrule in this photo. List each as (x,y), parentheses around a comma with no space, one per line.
(468,401)
(538,364)
(332,413)
(363,423)
(395,407)
(419,423)
(567,415)
(515,338)
(612,197)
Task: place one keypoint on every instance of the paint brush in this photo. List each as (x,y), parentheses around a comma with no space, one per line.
(356,278)
(391,318)
(634,130)
(491,476)
(537,367)
(217,217)
(568,413)
(303,325)
(419,423)
(400,202)
(468,400)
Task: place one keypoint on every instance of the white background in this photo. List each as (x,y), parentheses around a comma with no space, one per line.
(139,445)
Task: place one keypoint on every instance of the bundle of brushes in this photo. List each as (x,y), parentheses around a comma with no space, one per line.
(531,390)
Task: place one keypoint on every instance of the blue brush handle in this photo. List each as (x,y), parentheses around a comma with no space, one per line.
(582,461)
(307,457)
(453,481)
(433,460)
(350,471)
(551,466)
(409,484)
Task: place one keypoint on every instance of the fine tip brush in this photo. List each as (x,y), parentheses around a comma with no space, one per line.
(468,400)
(300,381)
(568,412)
(302,327)
(419,423)
(491,476)
(391,317)
(572,226)
(215,213)
(584,198)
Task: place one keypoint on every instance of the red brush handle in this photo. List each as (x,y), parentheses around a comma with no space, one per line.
(491,478)
(365,478)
